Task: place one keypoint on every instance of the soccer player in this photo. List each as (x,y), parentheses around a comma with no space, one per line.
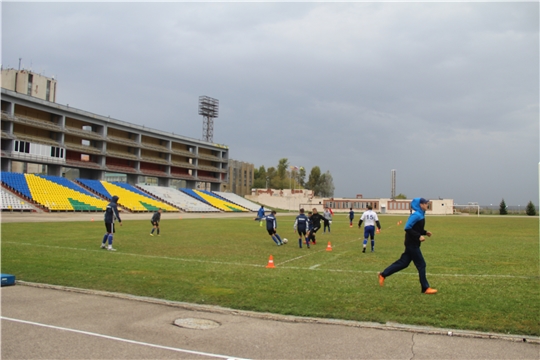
(111,214)
(328,216)
(351,217)
(156,218)
(370,217)
(301,225)
(414,236)
(271,227)
(315,220)
(260,215)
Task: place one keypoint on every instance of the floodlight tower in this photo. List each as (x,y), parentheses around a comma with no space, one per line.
(208,108)
(393,174)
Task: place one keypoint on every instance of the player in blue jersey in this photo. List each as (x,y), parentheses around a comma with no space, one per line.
(351,217)
(370,218)
(111,214)
(301,225)
(271,227)
(414,236)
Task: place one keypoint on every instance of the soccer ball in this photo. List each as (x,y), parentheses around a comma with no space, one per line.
(285,241)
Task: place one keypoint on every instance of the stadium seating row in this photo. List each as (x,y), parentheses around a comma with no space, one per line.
(178,198)
(61,194)
(10,202)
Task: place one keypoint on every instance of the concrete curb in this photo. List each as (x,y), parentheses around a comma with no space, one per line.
(294,319)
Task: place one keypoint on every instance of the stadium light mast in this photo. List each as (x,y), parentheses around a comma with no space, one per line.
(209,109)
(393,191)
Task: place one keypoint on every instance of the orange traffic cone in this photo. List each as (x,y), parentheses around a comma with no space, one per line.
(329,247)
(270,263)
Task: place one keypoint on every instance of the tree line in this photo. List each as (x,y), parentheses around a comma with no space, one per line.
(285,176)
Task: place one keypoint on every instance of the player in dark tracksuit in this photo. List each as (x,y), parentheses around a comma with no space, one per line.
(271,227)
(156,218)
(315,219)
(414,236)
(301,225)
(111,213)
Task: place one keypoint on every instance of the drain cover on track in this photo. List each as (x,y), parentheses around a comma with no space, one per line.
(200,324)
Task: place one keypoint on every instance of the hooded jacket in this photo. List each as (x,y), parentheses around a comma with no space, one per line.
(111,212)
(414,228)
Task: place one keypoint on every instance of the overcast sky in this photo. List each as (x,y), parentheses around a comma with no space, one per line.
(445,93)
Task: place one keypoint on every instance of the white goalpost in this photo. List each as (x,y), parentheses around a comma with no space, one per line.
(468,207)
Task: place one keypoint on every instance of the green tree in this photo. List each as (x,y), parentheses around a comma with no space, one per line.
(282,168)
(259,178)
(531,209)
(301,177)
(401,196)
(313,179)
(325,187)
(502,208)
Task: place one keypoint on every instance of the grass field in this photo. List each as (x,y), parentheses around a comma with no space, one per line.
(486,269)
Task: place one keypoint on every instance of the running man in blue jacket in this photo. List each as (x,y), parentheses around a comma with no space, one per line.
(414,236)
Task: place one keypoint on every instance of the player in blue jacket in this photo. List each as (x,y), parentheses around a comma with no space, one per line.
(260,215)
(351,217)
(271,227)
(301,225)
(414,236)
(111,214)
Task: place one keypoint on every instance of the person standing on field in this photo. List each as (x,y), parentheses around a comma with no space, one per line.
(414,236)
(156,218)
(370,217)
(111,214)
(271,227)
(328,216)
(351,217)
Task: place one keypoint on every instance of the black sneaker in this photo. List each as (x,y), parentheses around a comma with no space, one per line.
(364,250)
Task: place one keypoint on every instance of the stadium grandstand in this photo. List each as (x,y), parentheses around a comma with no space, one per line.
(214,200)
(238,200)
(58,158)
(177,198)
(11,202)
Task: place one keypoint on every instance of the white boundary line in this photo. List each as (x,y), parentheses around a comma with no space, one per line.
(121,339)
(279,264)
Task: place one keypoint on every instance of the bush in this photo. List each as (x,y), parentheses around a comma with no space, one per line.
(531,209)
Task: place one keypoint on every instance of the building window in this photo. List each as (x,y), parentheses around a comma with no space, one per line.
(30,81)
(48,91)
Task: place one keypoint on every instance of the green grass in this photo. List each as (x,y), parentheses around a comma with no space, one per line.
(486,269)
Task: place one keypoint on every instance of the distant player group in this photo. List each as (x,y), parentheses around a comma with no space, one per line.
(307,226)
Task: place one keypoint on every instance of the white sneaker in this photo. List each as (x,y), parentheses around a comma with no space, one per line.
(103,246)
(111,249)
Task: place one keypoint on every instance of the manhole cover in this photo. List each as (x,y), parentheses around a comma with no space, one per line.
(200,324)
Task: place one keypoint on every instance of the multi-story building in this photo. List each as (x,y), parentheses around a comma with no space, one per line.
(240,178)
(59,138)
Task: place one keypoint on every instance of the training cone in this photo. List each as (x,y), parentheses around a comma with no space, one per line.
(329,247)
(92,219)
(270,263)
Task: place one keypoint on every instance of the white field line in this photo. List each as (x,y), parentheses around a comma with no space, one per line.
(120,339)
(279,265)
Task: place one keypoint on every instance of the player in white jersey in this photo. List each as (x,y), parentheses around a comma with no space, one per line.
(370,218)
